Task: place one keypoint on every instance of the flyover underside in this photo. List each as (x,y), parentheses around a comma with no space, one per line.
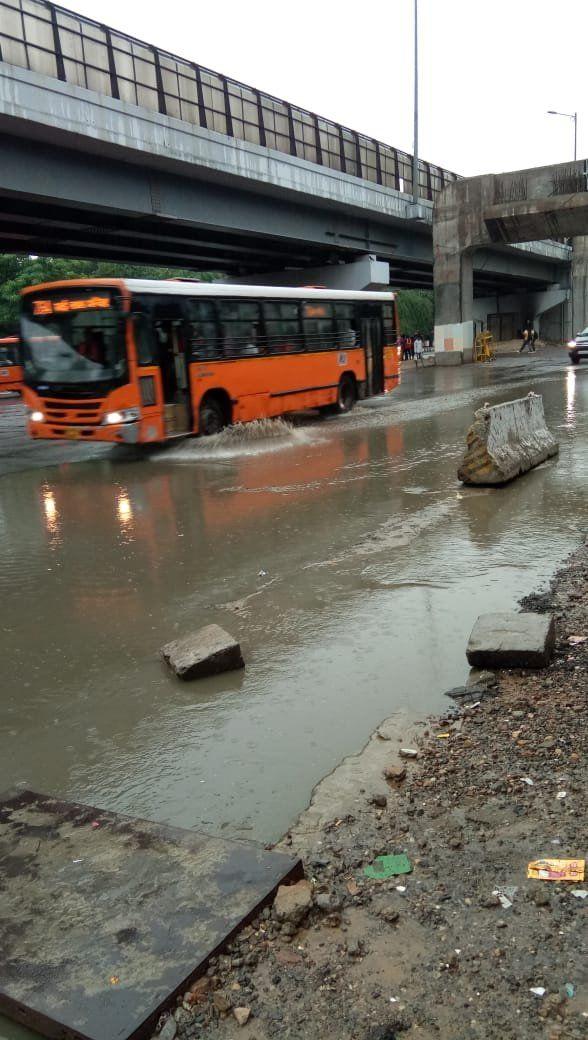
(59,202)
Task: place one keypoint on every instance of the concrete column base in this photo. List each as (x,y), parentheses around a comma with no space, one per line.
(449,357)
(458,339)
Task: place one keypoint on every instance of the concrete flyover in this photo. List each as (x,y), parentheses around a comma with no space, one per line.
(480,212)
(113,148)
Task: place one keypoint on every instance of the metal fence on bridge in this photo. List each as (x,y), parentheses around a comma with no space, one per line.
(40,36)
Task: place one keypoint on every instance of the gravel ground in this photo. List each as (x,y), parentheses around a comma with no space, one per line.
(435,953)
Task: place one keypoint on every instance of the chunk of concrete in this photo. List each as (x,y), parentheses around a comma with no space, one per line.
(506,440)
(293,902)
(207,652)
(511,640)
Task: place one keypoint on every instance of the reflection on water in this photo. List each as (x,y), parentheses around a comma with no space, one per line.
(351,567)
(571,397)
(125,511)
(50,509)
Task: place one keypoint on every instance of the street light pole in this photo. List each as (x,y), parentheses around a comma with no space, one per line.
(415,148)
(569,115)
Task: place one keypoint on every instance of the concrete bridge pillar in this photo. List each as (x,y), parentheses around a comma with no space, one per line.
(453,276)
(579,294)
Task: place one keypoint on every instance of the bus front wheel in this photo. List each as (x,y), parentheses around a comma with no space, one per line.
(211,417)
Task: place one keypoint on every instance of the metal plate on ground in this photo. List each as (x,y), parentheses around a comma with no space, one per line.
(105,918)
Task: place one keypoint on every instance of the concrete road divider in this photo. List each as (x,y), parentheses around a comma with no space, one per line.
(506,440)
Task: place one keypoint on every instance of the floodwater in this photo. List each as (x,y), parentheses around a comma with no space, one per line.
(343,554)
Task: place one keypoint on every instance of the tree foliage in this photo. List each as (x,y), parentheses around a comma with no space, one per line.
(18,272)
(415,306)
(415,311)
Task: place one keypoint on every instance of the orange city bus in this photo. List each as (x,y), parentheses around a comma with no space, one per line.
(10,368)
(140,361)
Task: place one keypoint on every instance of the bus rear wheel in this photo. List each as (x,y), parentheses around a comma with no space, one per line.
(346,398)
(346,395)
(211,417)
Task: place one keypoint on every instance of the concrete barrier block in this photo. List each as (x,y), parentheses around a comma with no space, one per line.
(511,640)
(207,652)
(506,440)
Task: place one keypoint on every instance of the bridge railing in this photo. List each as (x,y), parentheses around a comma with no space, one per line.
(45,38)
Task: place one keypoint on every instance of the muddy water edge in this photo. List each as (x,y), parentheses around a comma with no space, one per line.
(464,946)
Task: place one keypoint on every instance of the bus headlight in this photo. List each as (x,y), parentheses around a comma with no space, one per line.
(36,416)
(124,416)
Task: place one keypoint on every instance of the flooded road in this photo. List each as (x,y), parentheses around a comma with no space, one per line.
(344,555)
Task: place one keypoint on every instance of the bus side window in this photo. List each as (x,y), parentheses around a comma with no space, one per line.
(319,326)
(390,330)
(203,335)
(344,325)
(146,346)
(240,322)
(282,327)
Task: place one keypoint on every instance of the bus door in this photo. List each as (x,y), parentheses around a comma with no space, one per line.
(171,340)
(373,340)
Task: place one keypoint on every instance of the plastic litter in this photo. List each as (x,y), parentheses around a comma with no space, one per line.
(539,991)
(407,752)
(388,866)
(570,990)
(442,736)
(401,888)
(580,893)
(574,640)
(561,795)
(506,894)
(527,780)
(556,869)
(262,574)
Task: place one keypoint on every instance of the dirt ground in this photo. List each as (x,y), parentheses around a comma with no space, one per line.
(454,949)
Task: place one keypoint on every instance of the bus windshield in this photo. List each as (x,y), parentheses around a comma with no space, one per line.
(78,339)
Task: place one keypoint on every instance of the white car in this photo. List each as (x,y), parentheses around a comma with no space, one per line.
(578,348)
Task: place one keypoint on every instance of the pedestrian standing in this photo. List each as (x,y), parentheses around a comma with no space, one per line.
(419,347)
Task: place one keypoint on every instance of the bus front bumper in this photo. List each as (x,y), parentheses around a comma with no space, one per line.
(120,433)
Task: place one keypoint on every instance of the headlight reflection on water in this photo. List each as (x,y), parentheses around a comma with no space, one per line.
(571,397)
(124,510)
(50,510)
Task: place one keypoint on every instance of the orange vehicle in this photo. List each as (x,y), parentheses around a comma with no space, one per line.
(11,374)
(134,361)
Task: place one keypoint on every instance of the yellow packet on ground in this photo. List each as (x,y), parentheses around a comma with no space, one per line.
(556,869)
